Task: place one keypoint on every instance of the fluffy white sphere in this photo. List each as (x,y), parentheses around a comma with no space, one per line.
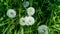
(22,21)
(25,4)
(11,13)
(30,11)
(43,29)
(29,20)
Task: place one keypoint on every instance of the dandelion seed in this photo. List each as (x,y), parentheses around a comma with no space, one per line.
(30,11)
(43,29)
(11,13)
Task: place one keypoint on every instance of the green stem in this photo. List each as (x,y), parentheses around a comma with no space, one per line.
(6,29)
(15,32)
(51,18)
(7,4)
(31,2)
(30,30)
(22,30)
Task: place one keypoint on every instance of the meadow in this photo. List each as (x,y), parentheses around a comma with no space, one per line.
(46,12)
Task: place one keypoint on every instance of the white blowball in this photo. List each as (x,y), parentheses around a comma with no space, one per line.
(43,29)
(30,11)
(22,21)
(25,4)
(29,20)
(11,13)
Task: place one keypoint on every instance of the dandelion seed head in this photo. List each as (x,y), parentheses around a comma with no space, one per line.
(11,13)
(25,4)
(43,29)
(22,21)
(30,11)
(29,20)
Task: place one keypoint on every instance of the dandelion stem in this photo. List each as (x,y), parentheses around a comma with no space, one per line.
(31,1)
(7,4)
(6,29)
(22,30)
(30,30)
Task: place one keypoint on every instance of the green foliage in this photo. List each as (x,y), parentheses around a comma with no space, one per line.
(47,12)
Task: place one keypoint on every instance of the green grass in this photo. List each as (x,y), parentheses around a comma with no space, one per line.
(45,11)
